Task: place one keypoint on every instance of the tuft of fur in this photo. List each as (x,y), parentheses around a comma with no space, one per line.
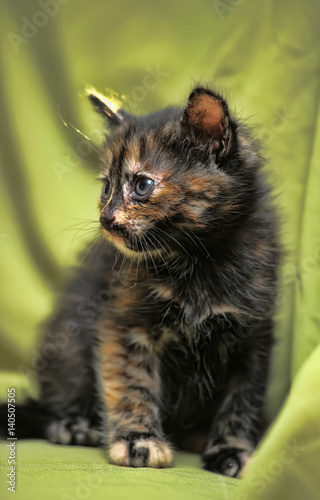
(164,335)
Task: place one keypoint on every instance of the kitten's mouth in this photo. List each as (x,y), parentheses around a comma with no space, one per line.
(114,237)
(123,242)
(120,241)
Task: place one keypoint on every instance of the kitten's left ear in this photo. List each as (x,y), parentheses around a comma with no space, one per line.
(110,109)
(206,120)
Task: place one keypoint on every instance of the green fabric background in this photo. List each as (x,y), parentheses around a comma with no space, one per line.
(265,55)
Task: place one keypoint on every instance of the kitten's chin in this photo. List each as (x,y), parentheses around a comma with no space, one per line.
(120,243)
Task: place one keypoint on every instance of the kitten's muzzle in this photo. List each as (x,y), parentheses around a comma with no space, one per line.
(107,222)
(113,228)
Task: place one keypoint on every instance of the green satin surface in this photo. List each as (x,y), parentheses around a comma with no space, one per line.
(265,56)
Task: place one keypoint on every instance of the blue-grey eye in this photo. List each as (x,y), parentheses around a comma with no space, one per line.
(143,186)
(106,190)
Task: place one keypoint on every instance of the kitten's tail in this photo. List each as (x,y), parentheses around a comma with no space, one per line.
(26,421)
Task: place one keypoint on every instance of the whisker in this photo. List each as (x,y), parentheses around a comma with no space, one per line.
(152,245)
(99,243)
(85,255)
(116,259)
(73,227)
(83,235)
(174,239)
(203,250)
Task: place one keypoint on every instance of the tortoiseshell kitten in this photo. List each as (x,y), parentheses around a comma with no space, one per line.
(176,303)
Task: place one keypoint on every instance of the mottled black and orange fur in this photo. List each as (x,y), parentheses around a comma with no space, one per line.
(166,329)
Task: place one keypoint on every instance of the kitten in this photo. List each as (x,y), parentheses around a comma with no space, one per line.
(163,337)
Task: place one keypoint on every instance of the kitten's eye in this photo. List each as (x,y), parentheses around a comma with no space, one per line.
(143,186)
(106,191)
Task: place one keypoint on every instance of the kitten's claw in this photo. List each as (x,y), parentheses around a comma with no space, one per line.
(226,460)
(72,431)
(141,452)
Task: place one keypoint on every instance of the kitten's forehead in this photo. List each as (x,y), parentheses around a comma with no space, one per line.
(131,153)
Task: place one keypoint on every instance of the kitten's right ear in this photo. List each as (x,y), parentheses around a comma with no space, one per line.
(206,121)
(109,109)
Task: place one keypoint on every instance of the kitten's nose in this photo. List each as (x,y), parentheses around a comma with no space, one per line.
(107,221)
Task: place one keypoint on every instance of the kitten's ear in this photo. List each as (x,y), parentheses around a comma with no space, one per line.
(109,109)
(206,120)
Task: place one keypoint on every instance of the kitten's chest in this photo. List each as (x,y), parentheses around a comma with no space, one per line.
(195,302)
(193,354)
(168,309)
(194,376)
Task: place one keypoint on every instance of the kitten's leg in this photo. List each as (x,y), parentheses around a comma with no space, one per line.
(68,388)
(132,390)
(66,360)
(235,429)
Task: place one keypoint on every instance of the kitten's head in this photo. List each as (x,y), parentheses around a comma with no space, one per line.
(174,181)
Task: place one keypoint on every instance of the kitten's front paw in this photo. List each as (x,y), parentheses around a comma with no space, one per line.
(140,451)
(225,459)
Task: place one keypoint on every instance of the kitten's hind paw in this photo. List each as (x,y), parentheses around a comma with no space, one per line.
(226,460)
(75,431)
(135,451)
